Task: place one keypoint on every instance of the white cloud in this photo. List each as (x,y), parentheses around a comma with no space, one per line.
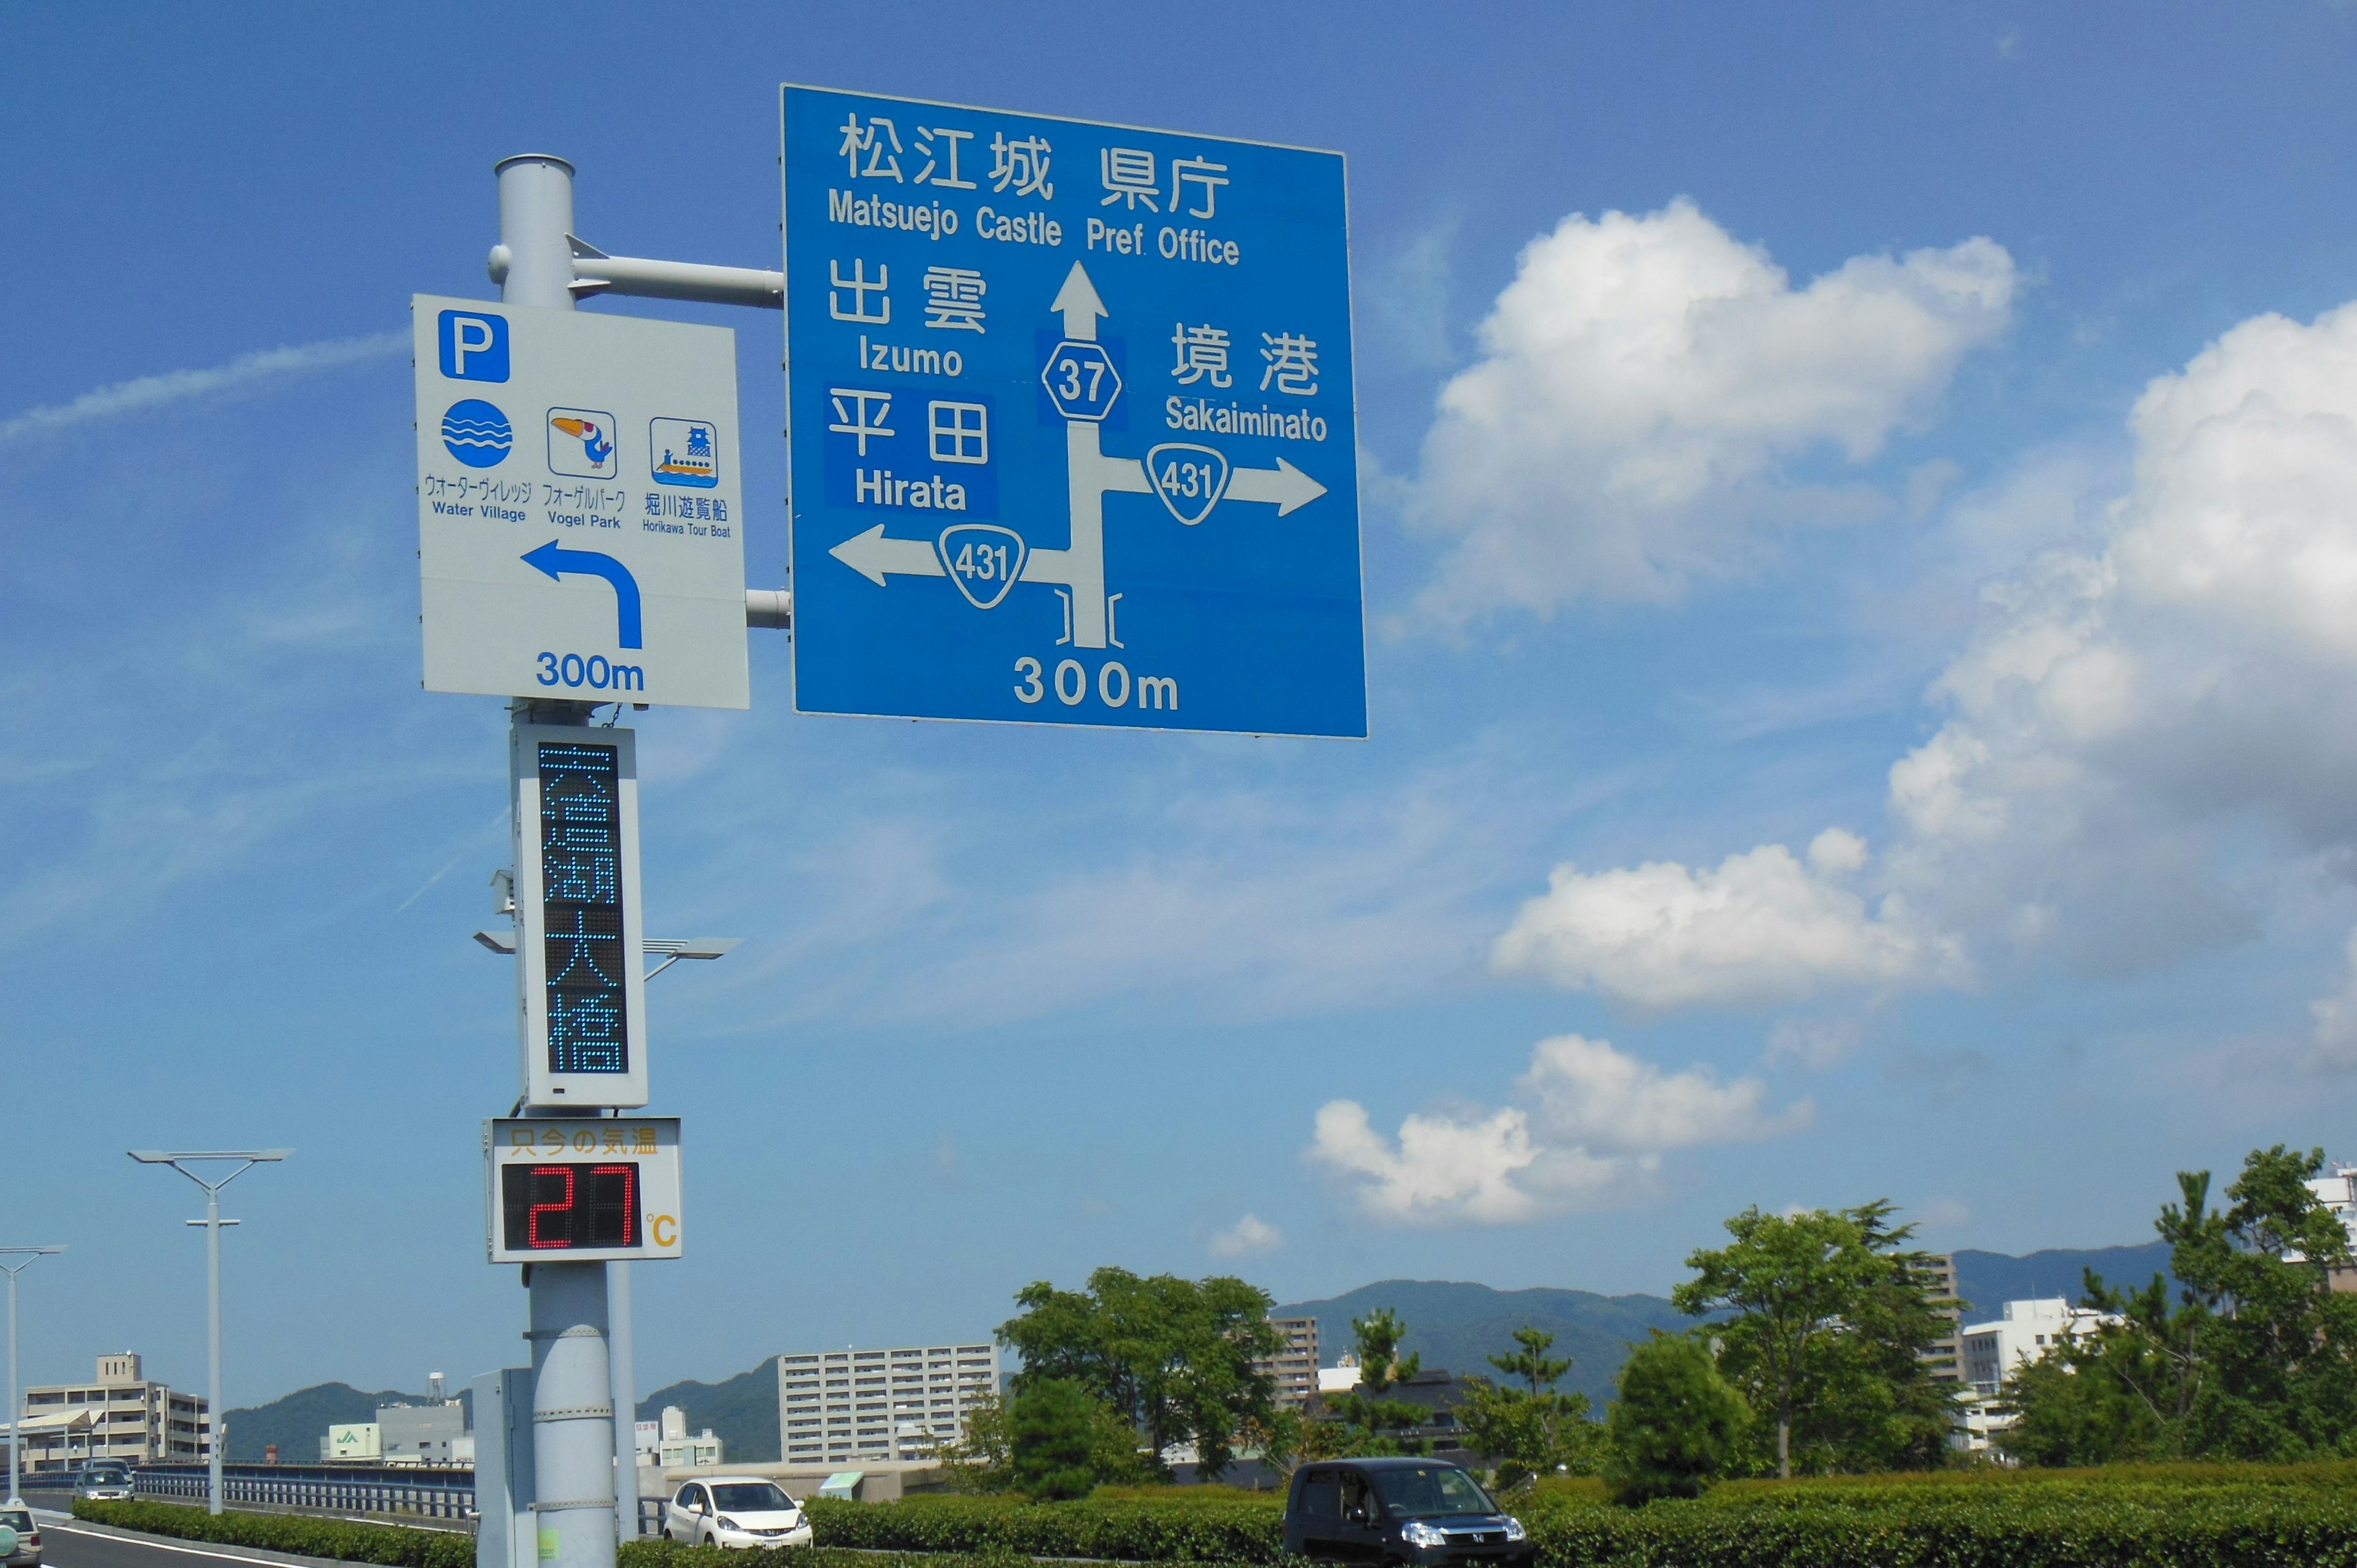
(1761,929)
(2335,1039)
(1644,380)
(179,386)
(1597,1126)
(1588,1092)
(1247,1237)
(2147,726)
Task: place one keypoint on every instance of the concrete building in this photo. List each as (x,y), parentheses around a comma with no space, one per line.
(1995,1350)
(2338,1192)
(666,1444)
(352,1442)
(1294,1369)
(1341,1377)
(1945,1355)
(119,1414)
(851,1406)
(422,1433)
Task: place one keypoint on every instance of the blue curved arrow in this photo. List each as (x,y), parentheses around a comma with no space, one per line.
(553,561)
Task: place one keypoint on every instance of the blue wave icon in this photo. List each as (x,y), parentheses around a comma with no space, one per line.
(476,433)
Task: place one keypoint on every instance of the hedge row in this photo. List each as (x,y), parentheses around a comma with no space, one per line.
(397,1546)
(401,1546)
(2180,1516)
(2185,1517)
(1216,1525)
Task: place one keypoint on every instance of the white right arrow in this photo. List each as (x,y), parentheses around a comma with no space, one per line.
(1079,304)
(871,554)
(1286,485)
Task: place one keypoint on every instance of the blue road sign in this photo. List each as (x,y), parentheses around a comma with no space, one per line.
(1072,436)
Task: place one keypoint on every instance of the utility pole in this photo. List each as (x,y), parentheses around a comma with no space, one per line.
(180,1160)
(16,1260)
(572,1386)
(584,1408)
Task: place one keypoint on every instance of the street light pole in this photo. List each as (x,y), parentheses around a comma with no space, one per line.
(246,1160)
(16,1260)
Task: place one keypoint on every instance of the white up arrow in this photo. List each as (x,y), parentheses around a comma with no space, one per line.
(1078,302)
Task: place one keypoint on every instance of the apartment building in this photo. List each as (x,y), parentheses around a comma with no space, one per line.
(118,1414)
(1945,1354)
(850,1406)
(1294,1369)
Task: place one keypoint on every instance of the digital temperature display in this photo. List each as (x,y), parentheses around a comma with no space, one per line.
(567,1206)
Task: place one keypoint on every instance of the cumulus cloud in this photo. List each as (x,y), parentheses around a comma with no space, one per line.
(2143,725)
(2151,727)
(179,386)
(1247,1237)
(1597,1125)
(2335,1039)
(1762,928)
(1644,380)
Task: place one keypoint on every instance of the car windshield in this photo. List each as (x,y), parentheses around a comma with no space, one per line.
(17,1520)
(751,1497)
(1431,1489)
(108,1475)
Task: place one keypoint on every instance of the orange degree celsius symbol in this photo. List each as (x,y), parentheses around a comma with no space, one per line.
(664,1229)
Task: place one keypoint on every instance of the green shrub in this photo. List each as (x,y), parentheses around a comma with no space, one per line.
(397,1546)
(2171,1516)
(1138,1525)
(1677,1425)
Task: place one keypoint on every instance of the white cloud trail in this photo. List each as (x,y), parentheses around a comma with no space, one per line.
(180,386)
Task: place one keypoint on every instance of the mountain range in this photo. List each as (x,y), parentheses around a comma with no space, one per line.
(1452,1324)
(296,1421)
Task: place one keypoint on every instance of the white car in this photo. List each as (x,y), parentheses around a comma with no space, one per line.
(735,1511)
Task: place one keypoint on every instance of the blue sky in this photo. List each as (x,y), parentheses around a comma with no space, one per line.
(1857,534)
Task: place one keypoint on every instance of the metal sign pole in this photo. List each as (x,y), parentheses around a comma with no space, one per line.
(180,1161)
(16,1260)
(573,1414)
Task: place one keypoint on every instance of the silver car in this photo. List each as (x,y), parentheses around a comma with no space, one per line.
(735,1511)
(28,1537)
(104,1483)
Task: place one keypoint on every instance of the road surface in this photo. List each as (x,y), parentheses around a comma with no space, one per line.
(65,1544)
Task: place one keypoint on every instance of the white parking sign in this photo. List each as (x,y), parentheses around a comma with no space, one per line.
(580,510)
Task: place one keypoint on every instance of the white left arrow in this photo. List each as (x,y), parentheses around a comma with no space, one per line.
(1286,485)
(871,554)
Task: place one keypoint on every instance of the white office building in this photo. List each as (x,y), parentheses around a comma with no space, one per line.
(846,1407)
(1995,1350)
(118,1414)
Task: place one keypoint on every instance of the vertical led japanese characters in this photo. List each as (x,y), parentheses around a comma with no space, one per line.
(581,876)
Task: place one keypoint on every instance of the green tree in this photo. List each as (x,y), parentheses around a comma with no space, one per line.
(1172,1356)
(1527,1431)
(1063,1441)
(1285,1439)
(1786,1281)
(1370,1422)
(1676,1424)
(1830,1315)
(982,1458)
(2257,1359)
(1879,1408)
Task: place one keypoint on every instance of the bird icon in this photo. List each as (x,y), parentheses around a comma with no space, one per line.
(593,444)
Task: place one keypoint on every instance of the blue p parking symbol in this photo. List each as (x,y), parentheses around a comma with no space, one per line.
(474,348)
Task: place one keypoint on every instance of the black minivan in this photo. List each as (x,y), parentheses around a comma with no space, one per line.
(1399,1511)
